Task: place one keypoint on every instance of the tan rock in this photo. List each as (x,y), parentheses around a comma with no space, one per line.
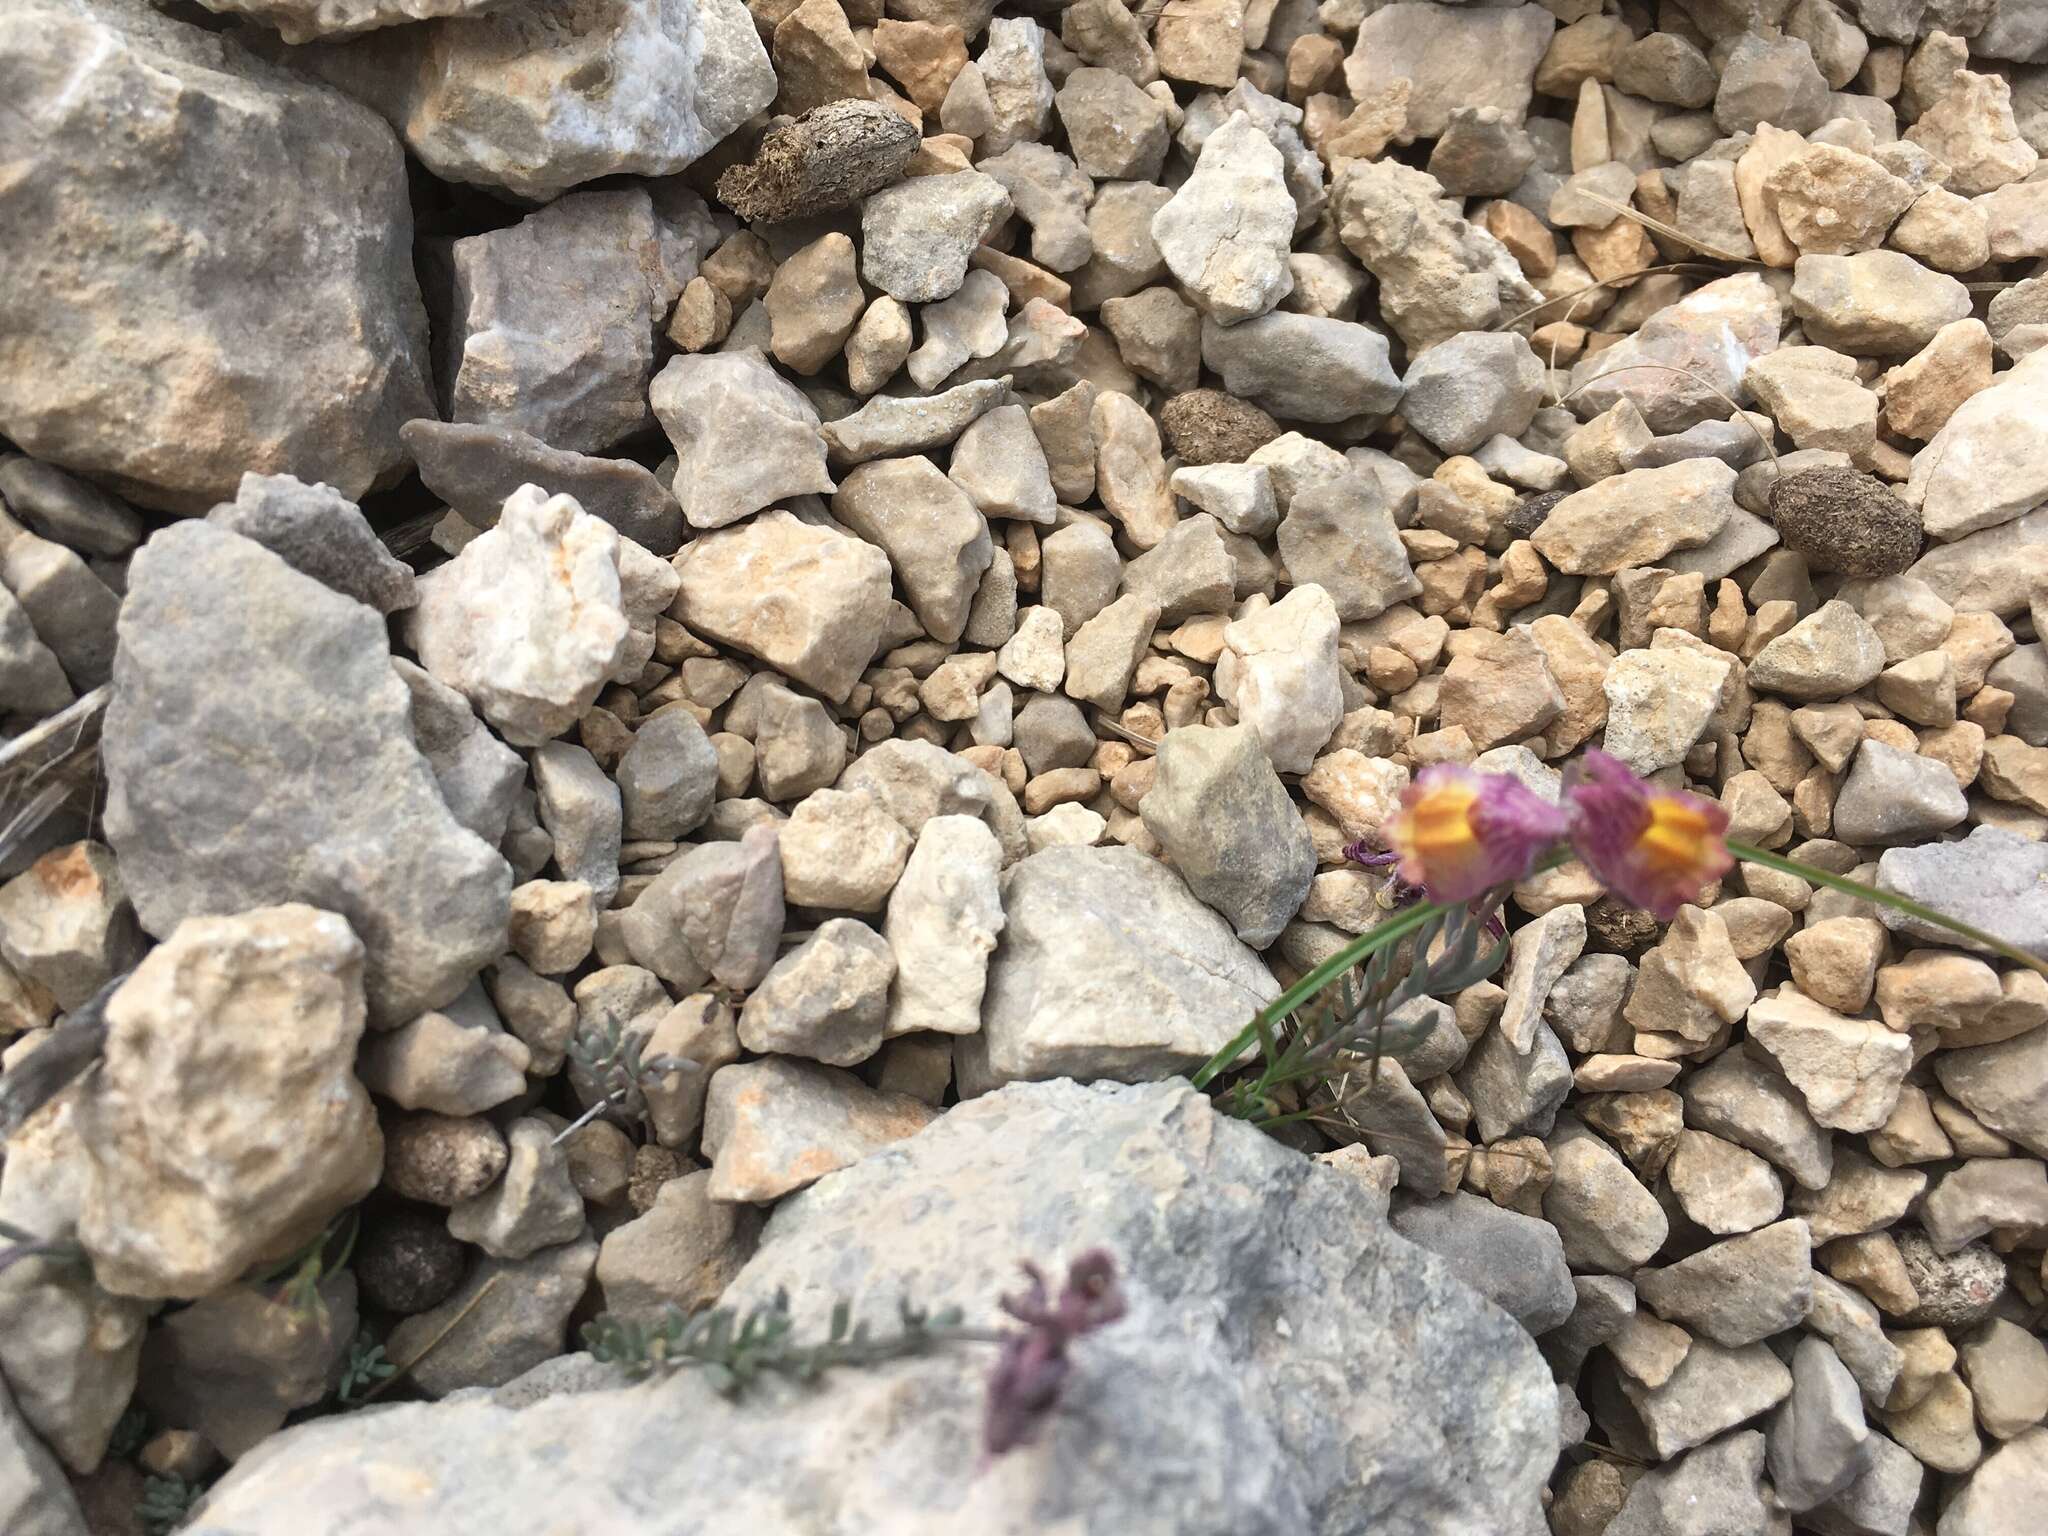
(815,300)
(817,58)
(1948,232)
(1835,961)
(1832,201)
(225,1126)
(1921,393)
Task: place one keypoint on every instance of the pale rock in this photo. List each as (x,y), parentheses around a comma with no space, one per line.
(934,536)
(1723,1188)
(1832,652)
(1769,79)
(1499,689)
(1634,518)
(1714,333)
(744,436)
(1608,1221)
(1713,1389)
(1971,130)
(1084,924)
(891,426)
(843,851)
(1895,796)
(655,86)
(814,302)
(534,1204)
(826,1000)
(1451,57)
(682,1252)
(1745,1099)
(1361,793)
(917,236)
(1717,1488)
(999,463)
(203,1163)
(1438,274)
(878,346)
(1239,496)
(1304,367)
(1539,955)
(1117,131)
(1340,536)
(1226,823)
(1034,657)
(1814,397)
(810,601)
(1130,469)
(1880,302)
(1949,233)
(453,1063)
(1738,1290)
(1982,1195)
(1988,463)
(1280,673)
(944,918)
(1659,702)
(579,808)
(1226,232)
(1473,387)
(1848,1070)
(1051,195)
(1103,654)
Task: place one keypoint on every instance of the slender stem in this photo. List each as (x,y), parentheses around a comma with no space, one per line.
(587,1116)
(1890,899)
(1392,931)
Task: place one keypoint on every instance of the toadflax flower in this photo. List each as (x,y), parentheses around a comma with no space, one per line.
(1655,848)
(1459,834)
(1024,1387)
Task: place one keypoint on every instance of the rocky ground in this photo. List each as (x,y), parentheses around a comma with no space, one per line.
(887,551)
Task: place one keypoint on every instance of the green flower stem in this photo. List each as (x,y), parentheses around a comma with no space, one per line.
(1392,931)
(1890,899)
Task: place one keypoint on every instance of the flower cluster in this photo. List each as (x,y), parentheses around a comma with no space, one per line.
(1024,1387)
(1460,834)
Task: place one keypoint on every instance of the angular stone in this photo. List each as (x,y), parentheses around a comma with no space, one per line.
(358,826)
(826,1000)
(1080,920)
(1304,367)
(2004,1085)
(1472,387)
(448,1064)
(934,537)
(683,1252)
(243,157)
(744,436)
(508,1317)
(580,809)
(480,99)
(534,1204)
(1739,1290)
(205,1161)
(476,468)
(1224,820)
(667,777)
(1712,335)
(776,1125)
(942,1219)
(1609,1222)
(1515,1261)
(1895,796)
(890,427)
(318,531)
(1714,1491)
(916,236)
(1660,702)
(841,850)
(1713,1389)
(808,600)
(1992,879)
(1830,653)
(1634,518)
(1848,1070)
(1340,536)
(1880,302)
(1226,233)
(944,918)
(1988,463)
(553,320)
(1279,671)
(34,1497)
(1452,57)
(999,463)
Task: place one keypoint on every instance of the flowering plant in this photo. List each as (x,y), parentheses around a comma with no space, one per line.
(1458,844)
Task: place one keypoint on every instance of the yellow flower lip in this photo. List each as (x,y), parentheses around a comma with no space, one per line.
(1677,835)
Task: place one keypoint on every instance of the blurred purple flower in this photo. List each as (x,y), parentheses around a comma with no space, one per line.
(1459,834)
(1655,848)
(1024,1387)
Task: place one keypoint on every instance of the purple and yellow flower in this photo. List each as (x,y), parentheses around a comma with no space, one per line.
(1459,834)
(1655,848)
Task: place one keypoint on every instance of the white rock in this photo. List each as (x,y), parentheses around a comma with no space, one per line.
(1226,233)
(944,917)
(527,622)
(1279,672)
(1848,1070)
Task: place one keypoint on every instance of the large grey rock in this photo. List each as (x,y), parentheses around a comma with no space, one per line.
(1265,1430)
(1818,1440)
(480,777)
(258,750)
(552,320)
(1895,796)
(1226,823)
(2004,1085)
(1714,1491)
(317,530)
(1304,367)
(1108,967)
(1739,1290)
(134,359)
(1472,387)
(475,468)
(535,98)
(1993,879)
(1711,336)
(1514,1261)
(1462,57)
(34,1498)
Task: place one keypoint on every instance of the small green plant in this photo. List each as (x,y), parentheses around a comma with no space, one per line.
(364,1368)
(612,1057)
(734,1350)
(165,1503)
(322,1256)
